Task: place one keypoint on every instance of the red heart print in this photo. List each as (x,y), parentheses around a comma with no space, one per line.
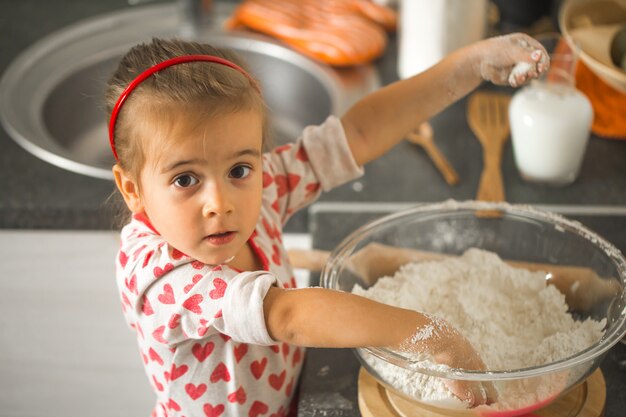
(268,228)
(312,187)
(276,381)
(173,405)
(202,330)
(240,351)
(220,289)
(297,357)
(178,371)
(301,155)
(193,303)
(202,352)
(279,413)
(126,301)
(146,307)
(220,372)
(285,350)
(218,314)
(277,235)
(194,391)
(123,258)
(197,265)
(258,367)
(289,388)
(146,259)
(157,384)
(159,272)
(194,281)
(275,348)
(176,254)
(155,356)
(132,284)
(211,410)
(158,335)
(258,408)
(275,255)
(174,321)
(145,358)
(167,297)
(139,329)
(276,206)
(267,179)
(293,180)
(282,148)
(137,252)
(238,396)
(225,337)
(281,185)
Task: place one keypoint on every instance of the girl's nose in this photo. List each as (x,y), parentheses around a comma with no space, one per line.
(217,201)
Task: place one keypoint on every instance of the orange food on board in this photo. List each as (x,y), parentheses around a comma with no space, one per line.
(337,32)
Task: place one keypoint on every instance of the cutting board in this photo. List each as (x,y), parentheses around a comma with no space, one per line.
(585,400)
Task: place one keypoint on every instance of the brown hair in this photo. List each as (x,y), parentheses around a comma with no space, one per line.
(210,88)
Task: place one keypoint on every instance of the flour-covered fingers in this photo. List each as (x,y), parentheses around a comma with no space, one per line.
(512,59)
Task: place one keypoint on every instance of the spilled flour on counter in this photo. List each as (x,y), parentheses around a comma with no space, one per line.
(511,317)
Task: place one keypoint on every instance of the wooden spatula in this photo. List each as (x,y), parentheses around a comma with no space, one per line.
(487,114)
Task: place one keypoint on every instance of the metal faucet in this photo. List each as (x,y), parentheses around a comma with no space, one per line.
(192,15)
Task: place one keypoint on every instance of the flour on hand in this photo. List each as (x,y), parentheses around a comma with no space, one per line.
(510,315)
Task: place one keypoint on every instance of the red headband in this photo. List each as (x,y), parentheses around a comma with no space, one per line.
(158,67)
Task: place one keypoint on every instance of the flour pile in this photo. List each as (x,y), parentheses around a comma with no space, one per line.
(511,317)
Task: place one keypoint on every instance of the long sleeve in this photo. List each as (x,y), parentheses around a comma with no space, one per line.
(295,174)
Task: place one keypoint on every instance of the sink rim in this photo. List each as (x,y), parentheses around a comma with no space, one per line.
(21,114)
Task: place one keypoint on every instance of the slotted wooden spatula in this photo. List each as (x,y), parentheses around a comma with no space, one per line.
(487,114)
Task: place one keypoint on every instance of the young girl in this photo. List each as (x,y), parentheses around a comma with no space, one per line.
(204,279)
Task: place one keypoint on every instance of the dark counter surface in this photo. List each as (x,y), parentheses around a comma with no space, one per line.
(38,195)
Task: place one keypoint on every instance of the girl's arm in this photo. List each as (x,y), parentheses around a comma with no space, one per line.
(320,317)
(382,119)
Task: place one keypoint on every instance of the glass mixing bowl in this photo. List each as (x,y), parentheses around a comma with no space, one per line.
(595,272)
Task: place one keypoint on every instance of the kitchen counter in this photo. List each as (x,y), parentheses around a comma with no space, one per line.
(37,195)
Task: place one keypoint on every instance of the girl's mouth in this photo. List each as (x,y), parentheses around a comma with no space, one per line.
(221,238)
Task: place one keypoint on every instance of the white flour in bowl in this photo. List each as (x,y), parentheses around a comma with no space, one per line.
(511,317)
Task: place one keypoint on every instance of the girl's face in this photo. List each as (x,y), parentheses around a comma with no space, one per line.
(203,193)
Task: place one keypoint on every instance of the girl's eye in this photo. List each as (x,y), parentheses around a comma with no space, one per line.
(185,181)
(240,171)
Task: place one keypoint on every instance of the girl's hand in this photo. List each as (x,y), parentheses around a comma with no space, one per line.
(449,347)
(512,59)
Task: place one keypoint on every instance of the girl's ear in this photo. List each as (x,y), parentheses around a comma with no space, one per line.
(129,190)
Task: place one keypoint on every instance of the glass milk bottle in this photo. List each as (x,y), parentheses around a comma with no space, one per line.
(550,122)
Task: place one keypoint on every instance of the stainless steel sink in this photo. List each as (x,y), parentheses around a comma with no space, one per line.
(51,96)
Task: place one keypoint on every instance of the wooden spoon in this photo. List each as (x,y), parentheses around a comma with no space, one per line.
(424,138)
(487,114)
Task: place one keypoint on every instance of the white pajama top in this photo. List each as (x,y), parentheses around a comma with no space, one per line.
(200,328)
